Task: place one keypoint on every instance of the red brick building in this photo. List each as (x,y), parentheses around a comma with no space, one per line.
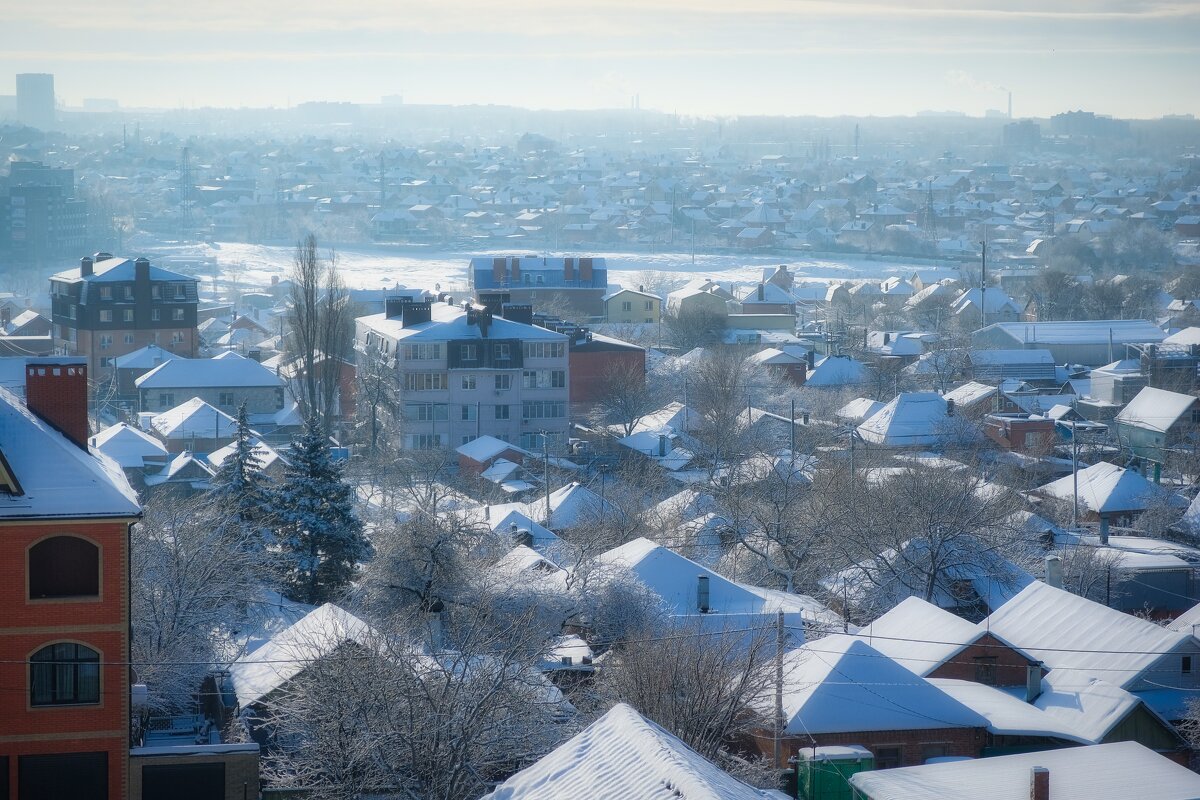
(64,596)
(595,361)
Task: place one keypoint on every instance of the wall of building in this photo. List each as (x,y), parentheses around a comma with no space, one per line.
(914,745)
(258,399)
(241,771)
(1010,667)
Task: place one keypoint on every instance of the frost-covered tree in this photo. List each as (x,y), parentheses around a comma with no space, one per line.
(243,491)
(320,536)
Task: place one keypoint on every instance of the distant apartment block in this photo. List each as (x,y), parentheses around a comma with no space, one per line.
(464,372)
(35,100)
(109,307)
(41,219)
(577,284)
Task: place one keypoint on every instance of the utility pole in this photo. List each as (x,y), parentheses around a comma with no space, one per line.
(779,721)
(983,282)
(546,474)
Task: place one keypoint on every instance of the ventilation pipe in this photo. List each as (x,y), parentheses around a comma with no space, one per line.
(1033,682)
(1054,575)
(702,594)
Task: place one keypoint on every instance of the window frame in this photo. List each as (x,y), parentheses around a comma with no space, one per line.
(98,597)
(55,665)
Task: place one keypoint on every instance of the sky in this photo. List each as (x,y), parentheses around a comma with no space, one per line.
(1129,58)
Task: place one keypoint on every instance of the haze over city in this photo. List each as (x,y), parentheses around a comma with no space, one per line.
(1128,58)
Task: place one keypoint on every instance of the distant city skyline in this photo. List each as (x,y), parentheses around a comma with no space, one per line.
(1127,58)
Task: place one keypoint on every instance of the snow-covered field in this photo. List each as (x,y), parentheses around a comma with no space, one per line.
(376,266)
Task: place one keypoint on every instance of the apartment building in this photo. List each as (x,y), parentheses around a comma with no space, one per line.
(464,372)
(113,306)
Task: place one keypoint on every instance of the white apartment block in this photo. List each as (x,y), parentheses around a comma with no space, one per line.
(463,373)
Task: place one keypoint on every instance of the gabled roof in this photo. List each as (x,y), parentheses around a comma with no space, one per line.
(859,410)
(55,477)
(263,453)
(1080,638)
(128,446)
(1096,331)
(450,322)
(919,635)
(194,419)
(227,370)
(840,684)
(118,269)
(1115,771)
(146,357)
(1007,714)
(836,371)
(624,755)
(1156,409)
(183,468)
(1106,489)
(484,448)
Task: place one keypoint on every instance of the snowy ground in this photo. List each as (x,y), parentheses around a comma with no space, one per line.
(374,266)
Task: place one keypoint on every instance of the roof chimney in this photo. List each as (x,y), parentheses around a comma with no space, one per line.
(811,358)
(57,391)
(702,594)
(949,408)
(762,292)
(662,445)
(1033,682)
(415,313)
(1054,575)
(85,266)
(1039,784)
(141,270)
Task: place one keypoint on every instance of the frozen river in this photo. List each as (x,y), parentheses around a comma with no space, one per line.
(375,266)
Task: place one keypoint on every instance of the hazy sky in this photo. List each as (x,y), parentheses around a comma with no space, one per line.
(1134,58)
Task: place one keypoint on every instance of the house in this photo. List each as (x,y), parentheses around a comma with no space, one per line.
(1091,342)
(767,298)
(184,472)
(1101,772)
(858,410)
(703,298)
(130,448)
(1108,494)
(267,458)
(630,306)
(833,372)
(64,633)
(978,308)
(1032,366)
(597,362)
(911,419)
(1156,422)
(226,382)
(27,323)
(623,754)
(579,282)
(787,364)
(131,366)
(1028,434)
(194,425)
(463,372)
(838,690)
(113,306)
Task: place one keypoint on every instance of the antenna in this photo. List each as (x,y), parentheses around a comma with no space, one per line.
(930,215)
(856,140)
(185,194)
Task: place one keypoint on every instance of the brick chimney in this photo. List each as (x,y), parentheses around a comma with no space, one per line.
(1039,784)
(85,266)
(141,270)
(56,389)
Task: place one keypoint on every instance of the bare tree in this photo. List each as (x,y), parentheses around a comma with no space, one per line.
(378,400)
(625,398)
(319,341)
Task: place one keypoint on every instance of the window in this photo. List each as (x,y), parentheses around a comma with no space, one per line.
(177,337)
(64,674)
(649,305)
(543,409)
(648,319)
(422,352)
(106,361)
(985,670)
(503,383)
(1186,667)
(73,311)
(467,439)
(424,412)
(129,338)
(502,352)
(544,349)
(106,293)
(225,399)
(424,381)
(176,314)
(156,292)
(502,412)
(887,757)
(156,314)
(469,382)
(627,305)
(425,441)
(128,292)
(469,412)
(544,379)
(180,291)
(127,315)
(64,566)
(468,352)
(105,341)
(166,399)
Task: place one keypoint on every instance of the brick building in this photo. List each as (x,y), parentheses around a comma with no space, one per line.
(578,283)
(113,306)
(64,567)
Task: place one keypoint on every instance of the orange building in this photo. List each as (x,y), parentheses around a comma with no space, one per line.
(64,595)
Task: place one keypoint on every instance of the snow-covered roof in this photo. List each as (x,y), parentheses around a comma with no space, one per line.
(1187,336)
(1156,409)
(673,415)
(840,684)
(970,393)
(859,410)
(118,269)
(484,448)
(836,371)
(910,419)
(1115,771)
(624,755)
(319,633)
(1096,331)
(450,323)
(1106,489)
(1082,638)
(264,454)
(194,419)
(1007,714)
(995,301)
(128,446)
(919,635)
(226,370)
(147,357)
(185,467)
(1091,708)
(57,478)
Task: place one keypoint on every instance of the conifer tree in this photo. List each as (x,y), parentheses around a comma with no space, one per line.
(320,537)
(242,492)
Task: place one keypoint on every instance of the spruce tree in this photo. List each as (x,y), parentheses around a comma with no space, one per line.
(320,537)
(241,493)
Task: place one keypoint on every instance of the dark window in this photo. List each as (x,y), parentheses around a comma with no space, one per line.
(64,674)
(79,776)
(64,566)
(933,751)
(887,757)
(183,782)
(1187,665)
(3,777)
(985,670)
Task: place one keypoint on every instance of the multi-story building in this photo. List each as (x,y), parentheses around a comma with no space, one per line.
(41,218)
(64,595)
(463,372)
(577,285)
(35,99)
(113,306)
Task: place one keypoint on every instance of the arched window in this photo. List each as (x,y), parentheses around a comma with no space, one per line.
(64,566)
(64,674)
